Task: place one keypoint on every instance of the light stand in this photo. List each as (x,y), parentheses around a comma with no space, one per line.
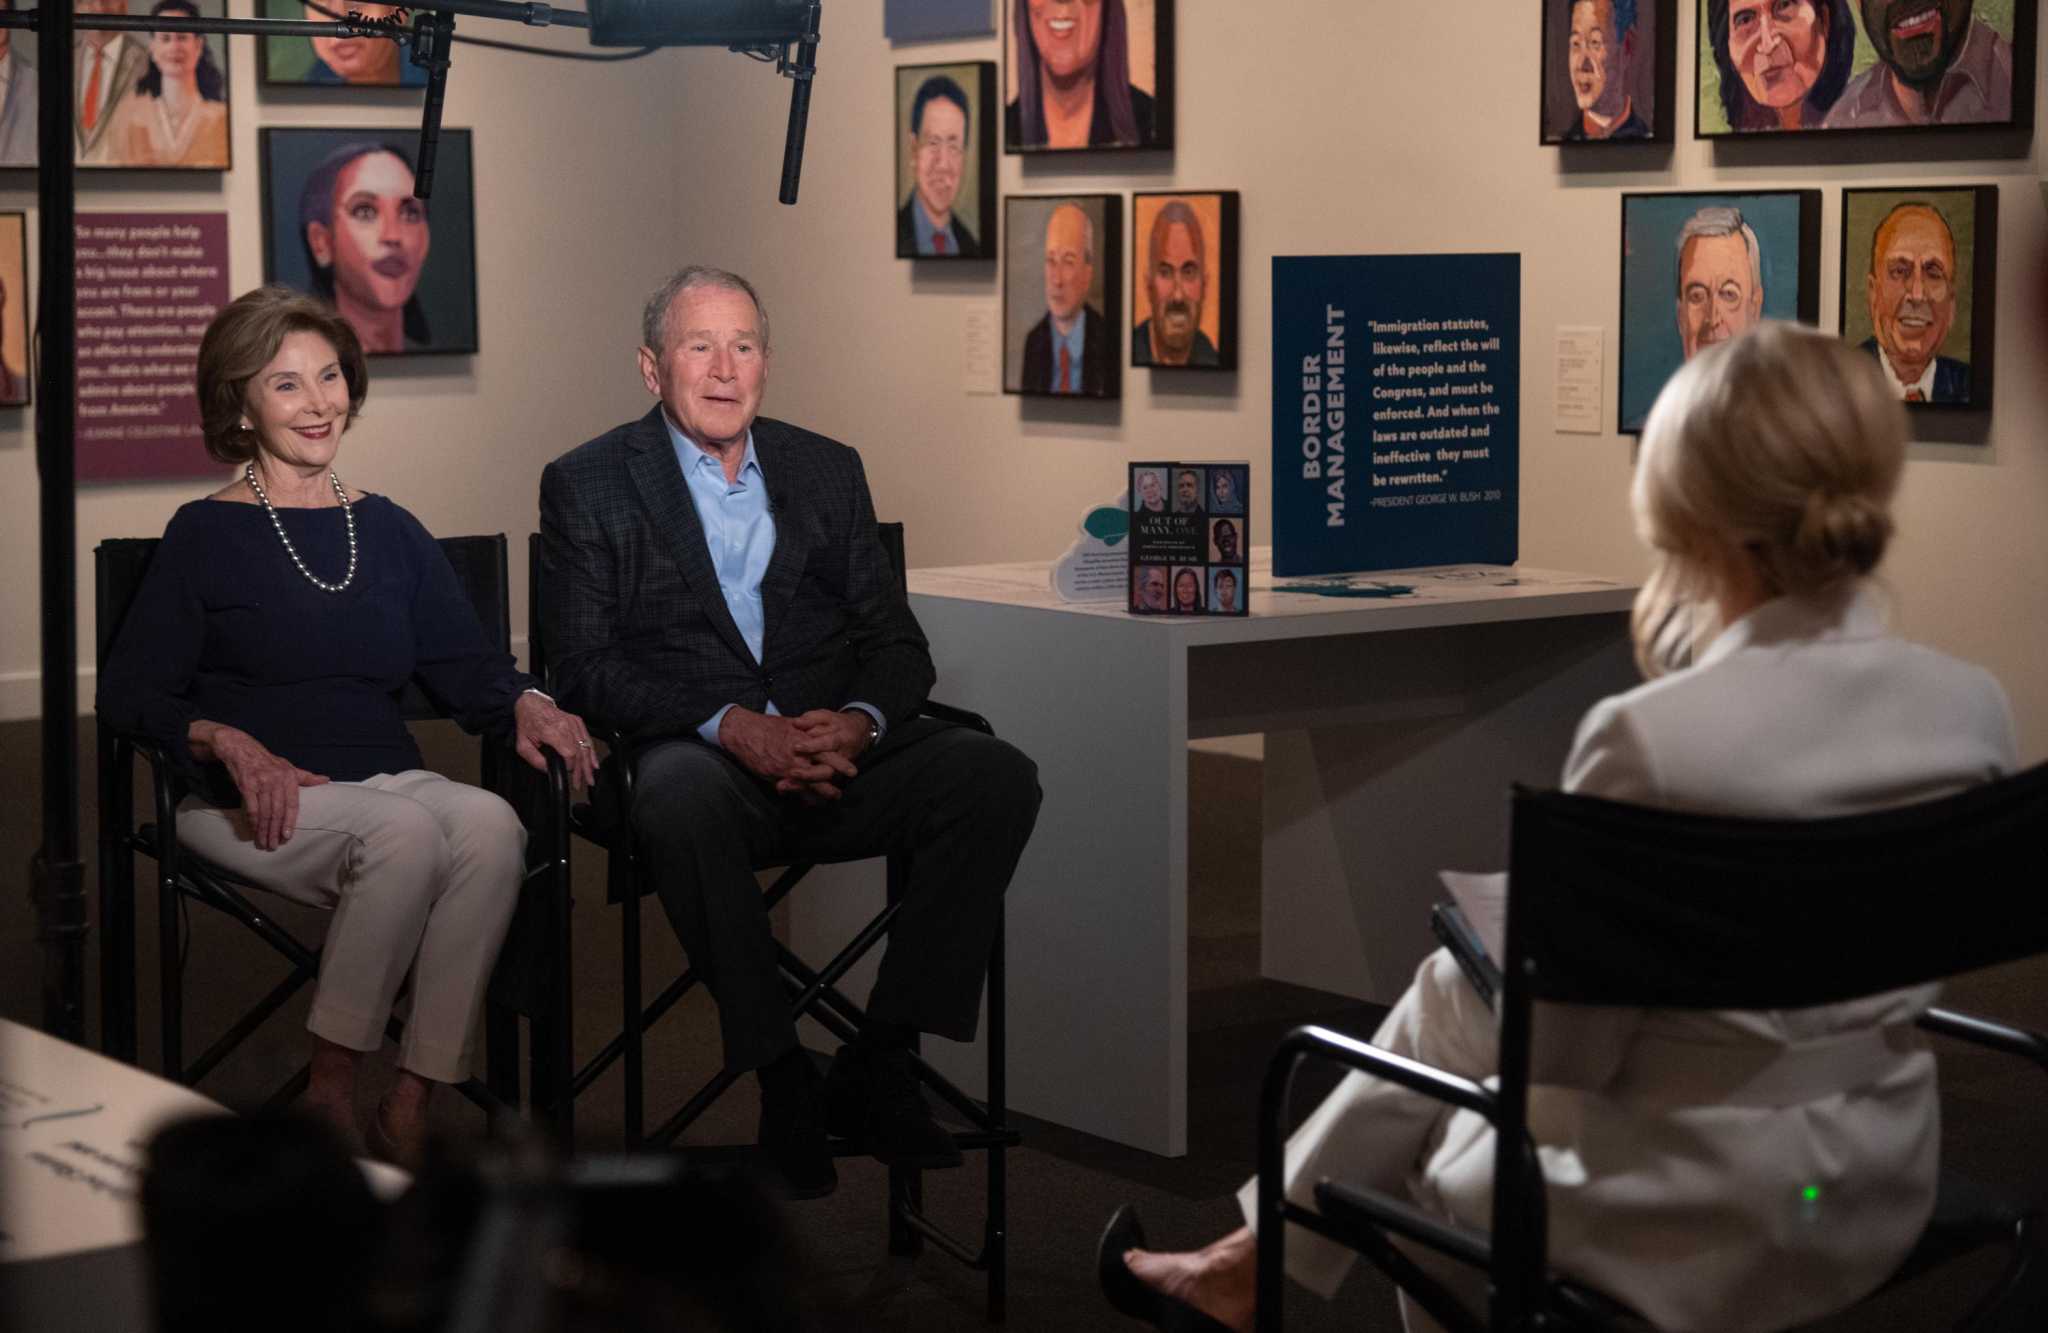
(800,71)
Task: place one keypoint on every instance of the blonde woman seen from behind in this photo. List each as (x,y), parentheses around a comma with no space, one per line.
(1764,492)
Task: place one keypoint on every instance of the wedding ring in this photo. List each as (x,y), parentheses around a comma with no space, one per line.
(583,745)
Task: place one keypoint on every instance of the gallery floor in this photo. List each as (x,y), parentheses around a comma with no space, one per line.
(1063,1183)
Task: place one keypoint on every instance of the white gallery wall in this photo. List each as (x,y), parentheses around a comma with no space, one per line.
(1346,133)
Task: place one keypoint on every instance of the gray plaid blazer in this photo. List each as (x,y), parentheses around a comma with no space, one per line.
(638,630)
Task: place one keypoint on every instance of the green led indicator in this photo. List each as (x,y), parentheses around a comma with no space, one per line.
(1811,1193)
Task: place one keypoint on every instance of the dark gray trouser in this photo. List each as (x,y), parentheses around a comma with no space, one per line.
(959,805)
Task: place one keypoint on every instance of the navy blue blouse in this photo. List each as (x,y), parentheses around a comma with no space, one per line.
(226,628)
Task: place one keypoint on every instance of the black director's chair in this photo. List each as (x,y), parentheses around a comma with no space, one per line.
(1616,904)
(119,564)
(814,993)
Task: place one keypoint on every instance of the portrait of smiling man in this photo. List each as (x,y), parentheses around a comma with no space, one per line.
(1911,287)
(939,146)
(1600,65)
(1072,349)
(1720,278)
(1702,269)
(1937,64)
(1176,287)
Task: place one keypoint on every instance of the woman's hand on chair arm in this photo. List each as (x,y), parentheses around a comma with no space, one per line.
(537,722)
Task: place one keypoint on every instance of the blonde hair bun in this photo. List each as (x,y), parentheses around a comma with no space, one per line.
(1839,536)
(1778,452)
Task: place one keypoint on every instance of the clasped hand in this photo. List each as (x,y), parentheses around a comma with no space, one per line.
(809,756)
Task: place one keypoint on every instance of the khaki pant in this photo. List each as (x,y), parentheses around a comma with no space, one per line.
(421,874)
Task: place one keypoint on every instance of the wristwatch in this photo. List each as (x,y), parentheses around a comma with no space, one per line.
(874,727)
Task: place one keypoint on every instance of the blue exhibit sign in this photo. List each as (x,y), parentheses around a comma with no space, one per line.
(1396,411)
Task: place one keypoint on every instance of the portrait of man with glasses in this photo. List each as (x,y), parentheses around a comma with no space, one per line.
(943,170)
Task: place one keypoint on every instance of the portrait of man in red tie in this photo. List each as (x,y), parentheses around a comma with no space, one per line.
(139,99)
(1911,298)
(1060,293)
(945,161)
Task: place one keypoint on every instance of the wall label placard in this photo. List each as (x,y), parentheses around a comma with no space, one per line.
(1396,411)
(148,285)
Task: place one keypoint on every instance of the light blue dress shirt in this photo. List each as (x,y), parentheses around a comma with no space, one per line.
(739,532)
(1072,340)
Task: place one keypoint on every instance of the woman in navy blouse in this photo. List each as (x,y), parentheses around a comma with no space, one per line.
(265,651)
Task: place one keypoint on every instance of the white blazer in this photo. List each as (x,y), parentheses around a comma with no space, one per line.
(1746,1171)
(1731,1172)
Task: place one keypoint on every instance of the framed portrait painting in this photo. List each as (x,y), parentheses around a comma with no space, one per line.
(945,161)
(336,62)
(1082,75)
(1919,283)
(1184,280)
(14,310)
(340,221)
(1697,269)
(1608,69)
(1799,66)
(1062,295)
(155,100)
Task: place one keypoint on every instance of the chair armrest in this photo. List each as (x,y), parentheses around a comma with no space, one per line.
(610,803)
(146,746)
(1347,1207)
(1321,1043)
(1987,1033)
(1274,1210)
(541,798)
(959,716)
(160,767)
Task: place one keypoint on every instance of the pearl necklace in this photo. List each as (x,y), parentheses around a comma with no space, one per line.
(348,515)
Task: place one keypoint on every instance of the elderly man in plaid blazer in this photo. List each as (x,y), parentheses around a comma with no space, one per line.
(722,598)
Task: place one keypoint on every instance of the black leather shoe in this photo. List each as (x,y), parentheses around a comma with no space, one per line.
(793,1133)
(871,1097)
(1123,1290)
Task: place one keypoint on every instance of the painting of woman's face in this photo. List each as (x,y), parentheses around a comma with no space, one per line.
(358,59)
(176,54)
(1067,33)
(378,240)
(1778,46)
(341,223)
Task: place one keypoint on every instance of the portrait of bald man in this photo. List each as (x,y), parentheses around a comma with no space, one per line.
(1176,281)
(1061,296)
(1910,260)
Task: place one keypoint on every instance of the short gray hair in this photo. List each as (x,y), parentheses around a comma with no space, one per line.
(1716,221)
(1176,213)
(654,316)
